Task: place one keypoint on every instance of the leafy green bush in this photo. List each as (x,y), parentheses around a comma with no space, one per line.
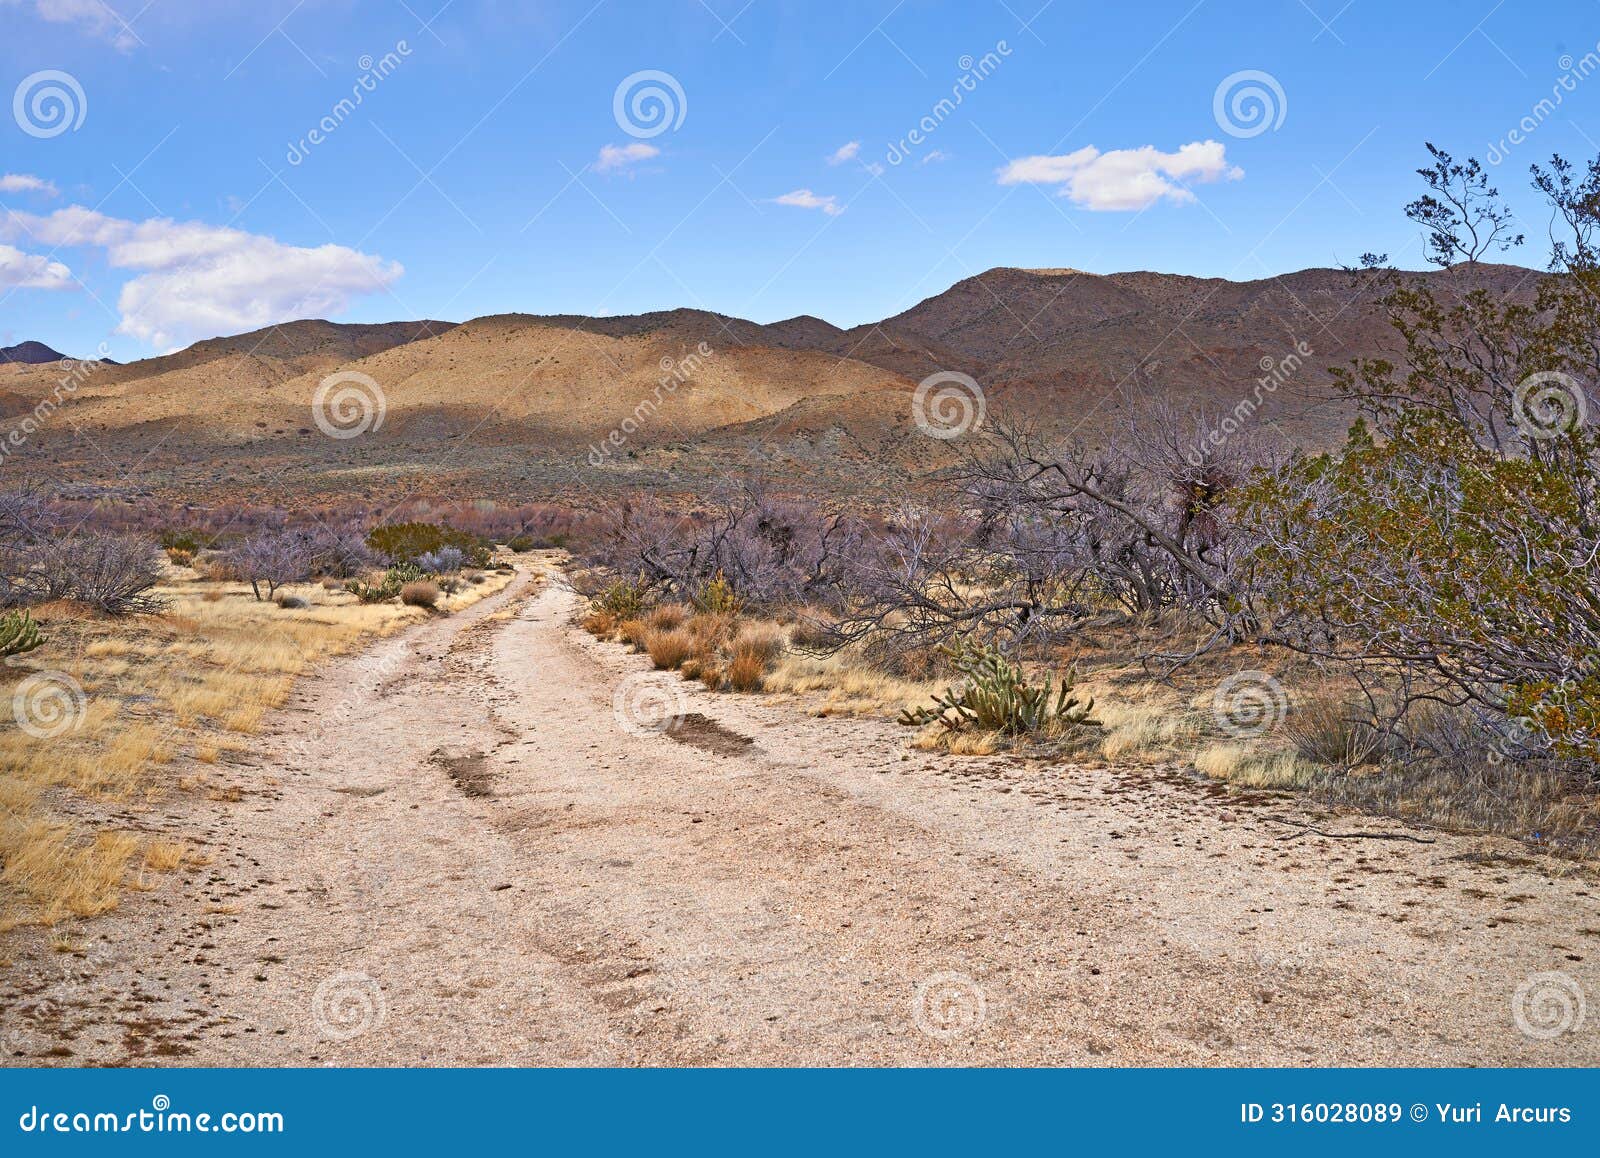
(181,540)
(1446,572)
(999,697)
(403,542)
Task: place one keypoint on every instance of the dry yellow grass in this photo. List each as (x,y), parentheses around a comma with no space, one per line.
(938,738)
(1143,723)
(852,688)
(1248,767)
(158,691)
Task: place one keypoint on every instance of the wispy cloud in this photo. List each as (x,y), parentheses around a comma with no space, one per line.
(935,155)
(845,152)
(96,17)
(806,199)
(614,157)
(1124,179)
(195,280)
(26,183)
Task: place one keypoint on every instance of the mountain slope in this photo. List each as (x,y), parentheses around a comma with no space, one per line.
(503,403)
(29,353)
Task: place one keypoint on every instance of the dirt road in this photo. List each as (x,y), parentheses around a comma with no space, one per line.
(469,853)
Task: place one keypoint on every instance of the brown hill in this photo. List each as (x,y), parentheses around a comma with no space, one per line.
(513,403)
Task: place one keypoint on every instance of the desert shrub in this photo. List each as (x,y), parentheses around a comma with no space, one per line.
(269,559)
(180,556)
(404,542)
(623,599)
(769,552)
(420,593)
(708,631)
(717,597)
(521,544)
(19,634)
(600,624)
(667,617)
(1333,731)
(765,641)
(113,573)
(998,696)
(184,540)
(444,561)
(668,649)
(747,670)
(633,632)
(814,631)
(339,551)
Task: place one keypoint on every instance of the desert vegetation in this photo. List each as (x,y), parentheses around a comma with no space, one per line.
(1407,622)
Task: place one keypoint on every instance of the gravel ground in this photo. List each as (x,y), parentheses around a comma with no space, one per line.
(460,849)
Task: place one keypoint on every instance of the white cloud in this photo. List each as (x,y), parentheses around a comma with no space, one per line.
(935,155)
(20,270)
(845,152)
(196,280)
(806,199)
(1124,178)
(26,183)
(614,157)
(96,17)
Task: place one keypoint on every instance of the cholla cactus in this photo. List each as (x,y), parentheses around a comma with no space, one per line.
(998,697)
(18,634)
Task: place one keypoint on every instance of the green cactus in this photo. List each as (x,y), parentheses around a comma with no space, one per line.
(18,634)
(998,697)
(394,578)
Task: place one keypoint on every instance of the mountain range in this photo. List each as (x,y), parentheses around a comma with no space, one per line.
(518,405)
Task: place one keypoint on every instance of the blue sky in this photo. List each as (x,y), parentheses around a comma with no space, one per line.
(488,169)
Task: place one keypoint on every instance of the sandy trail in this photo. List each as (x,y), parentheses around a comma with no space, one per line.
(466,858)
